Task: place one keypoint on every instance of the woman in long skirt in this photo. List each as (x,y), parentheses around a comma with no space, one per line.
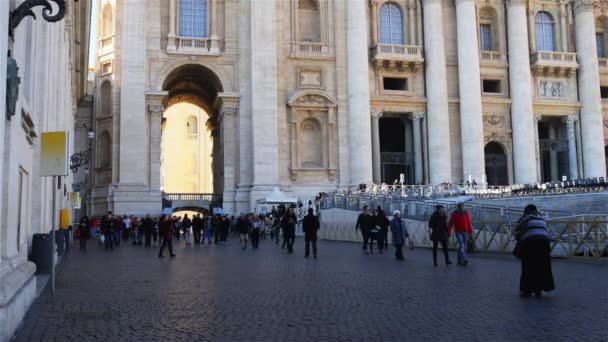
(534,250)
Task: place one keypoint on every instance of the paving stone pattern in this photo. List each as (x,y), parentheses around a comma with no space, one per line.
(221,293)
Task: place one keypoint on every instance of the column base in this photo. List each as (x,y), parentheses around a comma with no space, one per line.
(136,200)
(242,199)
(17,293)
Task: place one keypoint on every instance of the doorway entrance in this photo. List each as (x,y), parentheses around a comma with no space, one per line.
(496,164)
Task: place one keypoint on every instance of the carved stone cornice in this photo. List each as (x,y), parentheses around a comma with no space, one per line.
(581,6)
(515,3)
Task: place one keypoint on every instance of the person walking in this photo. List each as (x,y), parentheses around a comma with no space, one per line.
(84,232)
(187,225)
(289,229)
(399,233)
(382,222)
(243,226)
(196,229)
(137,231)
(311,226)
(225,228)
(165,228)
(460,222)
(207,230)
(107,229)
(126,228)
(365,222)
(534,250)
(257,226)
(438,224)
(148,229)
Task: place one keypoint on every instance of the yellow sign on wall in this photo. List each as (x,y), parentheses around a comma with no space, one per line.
(54,154)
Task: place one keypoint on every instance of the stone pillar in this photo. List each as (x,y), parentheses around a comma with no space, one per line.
(521,94)
(417,137)
(155,111)
(358,93)
(411,24)
(171,45)
(589,91)
(264,99)
(553,162)
(228,115)
(437,94)
(539,175)
(374,19)
(471,116)
(376,153)
(572,154)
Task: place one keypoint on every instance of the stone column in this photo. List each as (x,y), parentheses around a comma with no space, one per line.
(156,115)
(437,94)
(572,155)
(376,153)
(357,65)
(553,162)
(471,116)
(264,98)
(374,18)
(521,94)
(589,91)
(411,24)
(171,45)
(539,175)
(417,137)
(228,124)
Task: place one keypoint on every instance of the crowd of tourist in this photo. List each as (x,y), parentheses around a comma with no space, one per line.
(531,234)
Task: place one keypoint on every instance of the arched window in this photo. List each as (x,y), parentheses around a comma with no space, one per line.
(107,21)
(488,29)
(311,143)
(391,24)
(192,125)
(193,18)
(309,21)
(106,99)
(104,150)
(545,32)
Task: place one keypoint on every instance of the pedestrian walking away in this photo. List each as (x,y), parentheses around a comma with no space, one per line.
(365,221)
(438,225)
(187,226)
(84,232)
(165,226)
(311,226)
(534,250)
(289,229)
(460,222)
(399,233)
(243,226)
(382,222)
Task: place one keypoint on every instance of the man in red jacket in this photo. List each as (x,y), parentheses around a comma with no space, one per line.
(460,222)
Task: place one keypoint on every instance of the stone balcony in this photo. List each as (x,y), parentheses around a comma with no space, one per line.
(493,58)
(398,57)
(549,63)
(194,46)
(309,50)
(106,44)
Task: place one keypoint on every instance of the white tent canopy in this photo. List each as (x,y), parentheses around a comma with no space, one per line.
(277,197)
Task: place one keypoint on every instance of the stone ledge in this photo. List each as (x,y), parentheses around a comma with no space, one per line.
(11,283)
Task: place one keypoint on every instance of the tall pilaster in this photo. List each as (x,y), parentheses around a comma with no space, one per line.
(589,90)
(437,94)
(417,137)
(521,94)
(553,162)
(471,116)
(359,125)
(264,98)
(171,45)
(572,155)
(376,147)
(155,112)
(228,121)
(539,175)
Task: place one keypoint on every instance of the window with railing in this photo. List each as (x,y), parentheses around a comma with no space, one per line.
(193,18)
(391,24)
(545,31)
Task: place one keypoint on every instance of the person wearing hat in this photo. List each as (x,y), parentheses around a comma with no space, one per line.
(311,226)
(438,225)
(400,234)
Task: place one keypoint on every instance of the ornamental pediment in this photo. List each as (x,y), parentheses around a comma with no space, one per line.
(311,99)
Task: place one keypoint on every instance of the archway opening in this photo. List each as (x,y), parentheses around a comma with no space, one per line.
(190,157)
(496,164)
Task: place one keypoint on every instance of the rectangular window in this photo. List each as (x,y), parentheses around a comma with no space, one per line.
(601,47)
(394,83)
(604,92)
(492,86)
(106,68)
(193,18)
(485,37)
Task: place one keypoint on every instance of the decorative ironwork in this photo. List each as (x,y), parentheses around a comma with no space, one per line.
(12,86)
(25,10)
(77,160)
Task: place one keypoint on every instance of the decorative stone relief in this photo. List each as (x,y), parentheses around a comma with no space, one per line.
(494,122)
(312,99)
(310,78)
(551,89)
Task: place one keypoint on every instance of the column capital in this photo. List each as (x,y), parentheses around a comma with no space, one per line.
(156,109)
(581,6)
(463,1)
(537,117)
(570,119)
(376,114)
(430,2)
(229,112)
(516,3)
(417,115)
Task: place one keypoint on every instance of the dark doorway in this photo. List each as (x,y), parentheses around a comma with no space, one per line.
(392,148)
(496,164)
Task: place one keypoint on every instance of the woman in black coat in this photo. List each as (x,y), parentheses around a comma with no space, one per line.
(534,249)
(439,233)
(84,232)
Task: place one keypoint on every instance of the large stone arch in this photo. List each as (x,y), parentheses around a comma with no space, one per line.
(159,80)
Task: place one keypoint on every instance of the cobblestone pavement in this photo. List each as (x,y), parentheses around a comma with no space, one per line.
(221,293)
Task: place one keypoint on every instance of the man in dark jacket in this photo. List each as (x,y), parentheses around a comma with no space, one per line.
(197,227)
(108,227)
(382,222)
(148,228)
(365,222)
(311,225)
(289,229)
(165,227)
